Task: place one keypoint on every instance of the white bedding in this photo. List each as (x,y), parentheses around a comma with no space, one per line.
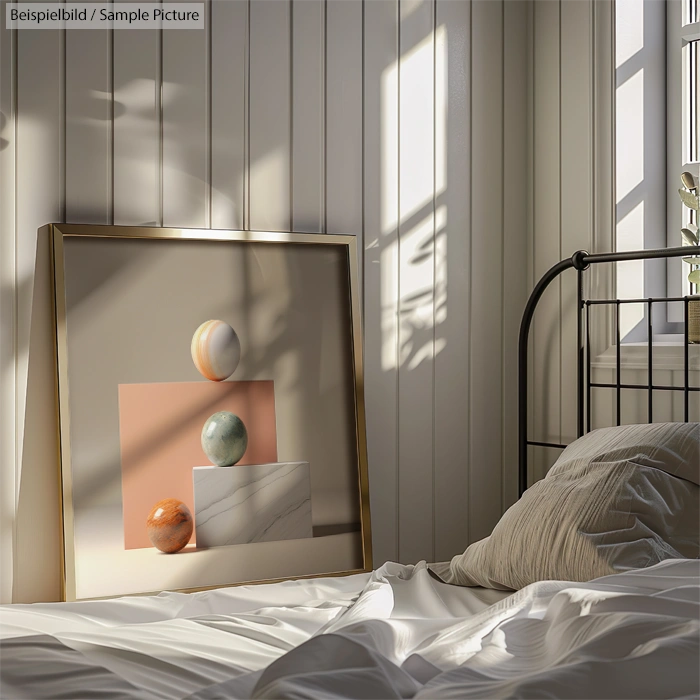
(395,633)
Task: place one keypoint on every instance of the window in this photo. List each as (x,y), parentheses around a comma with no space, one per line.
(683,137)
(640,159)
(654,108)
(689,37)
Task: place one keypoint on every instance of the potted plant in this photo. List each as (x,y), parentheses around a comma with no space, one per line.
(691,199)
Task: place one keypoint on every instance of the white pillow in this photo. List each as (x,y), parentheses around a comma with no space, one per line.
(616,499)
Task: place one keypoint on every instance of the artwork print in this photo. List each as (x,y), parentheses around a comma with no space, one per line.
(215,434)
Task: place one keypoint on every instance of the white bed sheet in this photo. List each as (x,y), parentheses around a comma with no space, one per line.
(395,633)
(174,644)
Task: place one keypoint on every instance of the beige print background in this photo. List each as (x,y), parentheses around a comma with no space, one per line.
(132,307)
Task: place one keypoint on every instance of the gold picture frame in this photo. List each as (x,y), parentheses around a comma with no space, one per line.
(108,340)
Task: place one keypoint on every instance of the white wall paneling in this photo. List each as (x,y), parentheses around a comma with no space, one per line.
(451,300)
(343,110)
(516,90)
(547,249)
(576,194)
(572,166)
(39,198)
(486,330)
(88,128)
(400,122)
(308,115)
(269,129)
(531,230)
(8,299)
(603,205)
(136,66)
(228,54)
(416,311)
(381,263)
(186,126)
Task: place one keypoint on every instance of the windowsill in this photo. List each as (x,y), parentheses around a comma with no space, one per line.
(668,354)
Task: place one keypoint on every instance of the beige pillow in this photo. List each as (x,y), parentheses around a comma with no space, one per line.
(616,499)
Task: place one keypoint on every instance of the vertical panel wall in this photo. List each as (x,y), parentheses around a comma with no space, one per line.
(228,104)
(416,244)
(88,126)
(487,302)
(517,91)
(381,270)
(402,122)
(40,196)
(546,331)
(452,284)
(136,167)
(343,155)
(8,299)
(308,116)
(571,58)
(186,129)
(269,127)
(576,194)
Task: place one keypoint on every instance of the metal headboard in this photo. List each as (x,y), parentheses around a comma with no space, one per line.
(581,261)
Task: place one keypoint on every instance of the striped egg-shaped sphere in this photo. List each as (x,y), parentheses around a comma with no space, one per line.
(216,350)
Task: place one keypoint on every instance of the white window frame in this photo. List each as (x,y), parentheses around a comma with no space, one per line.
(649,62)
(679,32)
(669,343)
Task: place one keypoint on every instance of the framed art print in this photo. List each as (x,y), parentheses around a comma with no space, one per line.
(210,404)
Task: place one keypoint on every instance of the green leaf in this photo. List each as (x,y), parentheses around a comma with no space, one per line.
(688,180)
(694,277)
(689,236)
(690,200)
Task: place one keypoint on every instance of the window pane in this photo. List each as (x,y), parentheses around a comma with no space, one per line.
(691,103)
(690,11)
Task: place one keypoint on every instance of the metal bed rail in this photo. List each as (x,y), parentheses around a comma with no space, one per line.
(581,261)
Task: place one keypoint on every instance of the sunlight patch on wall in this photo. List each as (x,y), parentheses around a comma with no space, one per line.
(629,135)
(630,274)
(416,128)
(414,173)
(629,34)
(408,7)
(441,97)
(270,174)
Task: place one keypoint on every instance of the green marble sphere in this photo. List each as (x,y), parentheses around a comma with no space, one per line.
(224,439)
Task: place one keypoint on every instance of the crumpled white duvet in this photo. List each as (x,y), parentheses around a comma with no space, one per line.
(395,633)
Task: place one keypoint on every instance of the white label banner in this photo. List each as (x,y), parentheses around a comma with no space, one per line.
(79,15)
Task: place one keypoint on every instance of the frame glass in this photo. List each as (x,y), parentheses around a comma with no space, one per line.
(142,410)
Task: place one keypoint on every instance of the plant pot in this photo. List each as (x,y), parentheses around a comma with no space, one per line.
(694,321)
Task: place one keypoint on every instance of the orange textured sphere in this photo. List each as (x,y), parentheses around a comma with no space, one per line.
(170,525)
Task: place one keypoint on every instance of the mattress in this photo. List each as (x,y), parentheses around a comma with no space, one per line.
(397,632)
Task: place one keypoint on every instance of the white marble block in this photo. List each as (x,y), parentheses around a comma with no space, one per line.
(252,503)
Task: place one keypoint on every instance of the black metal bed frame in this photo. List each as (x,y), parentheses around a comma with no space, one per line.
(581,261)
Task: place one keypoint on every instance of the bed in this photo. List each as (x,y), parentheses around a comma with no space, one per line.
(547,606)
(397,632)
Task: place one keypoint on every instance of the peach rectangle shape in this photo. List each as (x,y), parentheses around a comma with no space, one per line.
(160,428)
